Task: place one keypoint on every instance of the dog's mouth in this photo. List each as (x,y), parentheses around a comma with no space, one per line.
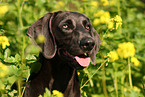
(82,59)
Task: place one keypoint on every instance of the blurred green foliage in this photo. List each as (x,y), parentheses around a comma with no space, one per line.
(117,78)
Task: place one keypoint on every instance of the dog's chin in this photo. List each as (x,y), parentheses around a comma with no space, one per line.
(78,62)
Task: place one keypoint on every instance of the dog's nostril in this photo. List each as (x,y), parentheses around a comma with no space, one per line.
(87,44)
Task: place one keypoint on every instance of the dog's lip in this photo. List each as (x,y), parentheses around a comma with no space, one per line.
(83,55)
(83,59)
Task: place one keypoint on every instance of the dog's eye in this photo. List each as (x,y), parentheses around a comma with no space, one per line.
(65,26)
(87,27)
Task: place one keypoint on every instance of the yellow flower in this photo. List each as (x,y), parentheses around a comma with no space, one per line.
(118,21)
(107,15)
(59,5)
(102,19)
(2,86)
(105,18)
(99,13)
(126,50)
(135,61)
(1,23)
(105,2)
(105,56)
(112,2)
(118,25)
(136,89)
(3,9)
(96,22)
(78,73)
(94,4)
(125,90)
(112,56)
(81,9)
(57,93)
(110,25)
(3,70)
(4,41)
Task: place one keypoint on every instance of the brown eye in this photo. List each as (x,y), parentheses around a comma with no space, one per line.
(65,26)
(87,27)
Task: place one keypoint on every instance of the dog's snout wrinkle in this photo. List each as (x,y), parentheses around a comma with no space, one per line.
(87,44)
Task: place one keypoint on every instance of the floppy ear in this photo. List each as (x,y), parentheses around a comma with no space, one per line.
(43,27)
(97,46)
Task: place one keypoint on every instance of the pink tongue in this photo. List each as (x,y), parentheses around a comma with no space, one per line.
(83,61)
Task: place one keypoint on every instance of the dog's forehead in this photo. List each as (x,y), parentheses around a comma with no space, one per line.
(71,15)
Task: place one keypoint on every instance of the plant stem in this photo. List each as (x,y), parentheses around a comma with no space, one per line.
(129,73)
(25,86)
(23,50)
(115,78)
(118,7)
(19,15)
(122,87)
(21,26)
(20,30)
(104,82)
(19,88)
(119,13)
(94,74)
(116,86)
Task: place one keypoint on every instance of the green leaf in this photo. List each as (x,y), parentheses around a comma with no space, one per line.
(47,93)
(1,55)
(8,87)
(26,71)
(4,95)
(10,60)
(97,95)
(40,96)
(2,31)
(35,67)
(17,57)
(12,69)
(12,79)
(89,76)
(7,53)
(2,86)
(12,93)
(134,93)
(30,57)
(31,49)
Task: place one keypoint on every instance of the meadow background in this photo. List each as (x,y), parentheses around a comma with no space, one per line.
(120,67)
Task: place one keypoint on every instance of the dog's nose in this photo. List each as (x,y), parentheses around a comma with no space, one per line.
(87,44)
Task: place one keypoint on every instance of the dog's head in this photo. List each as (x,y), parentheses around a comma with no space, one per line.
(70,35)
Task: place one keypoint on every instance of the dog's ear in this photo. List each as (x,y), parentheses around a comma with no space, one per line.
(43,27)
(97,46)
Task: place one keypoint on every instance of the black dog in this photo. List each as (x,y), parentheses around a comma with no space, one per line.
(70,43)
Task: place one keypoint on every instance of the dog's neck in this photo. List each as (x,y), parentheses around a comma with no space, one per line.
(63,77)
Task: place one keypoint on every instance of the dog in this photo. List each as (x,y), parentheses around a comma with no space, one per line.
(70,44)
